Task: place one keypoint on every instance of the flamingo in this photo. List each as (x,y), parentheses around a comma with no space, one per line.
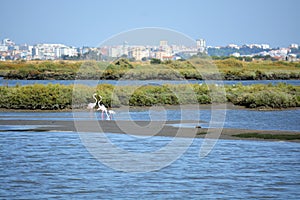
(91,106)
(102,108)
(111,113)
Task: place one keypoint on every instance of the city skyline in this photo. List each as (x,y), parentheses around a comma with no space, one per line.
(91,22)
(118,42)
(9,50)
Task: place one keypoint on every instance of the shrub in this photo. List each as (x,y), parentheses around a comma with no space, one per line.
(155,61)
(36,97)
(61,96)
(254,96)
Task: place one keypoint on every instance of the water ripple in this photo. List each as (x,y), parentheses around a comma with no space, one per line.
(42,165)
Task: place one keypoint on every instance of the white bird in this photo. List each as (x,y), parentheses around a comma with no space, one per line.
(111,113)
(102,108)
(91,106)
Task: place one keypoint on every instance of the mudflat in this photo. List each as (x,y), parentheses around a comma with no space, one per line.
(145,128)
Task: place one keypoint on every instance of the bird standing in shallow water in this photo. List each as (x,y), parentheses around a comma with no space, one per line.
(103,109)
(111,113)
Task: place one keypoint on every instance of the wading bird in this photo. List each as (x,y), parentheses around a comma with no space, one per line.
(91,106)
(103,109)
(111,113)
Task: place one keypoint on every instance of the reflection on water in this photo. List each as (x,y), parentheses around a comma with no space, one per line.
(43,165)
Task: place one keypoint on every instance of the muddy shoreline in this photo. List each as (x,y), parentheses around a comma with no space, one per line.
(140,128)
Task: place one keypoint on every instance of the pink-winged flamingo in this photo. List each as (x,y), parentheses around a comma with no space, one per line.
(103,109)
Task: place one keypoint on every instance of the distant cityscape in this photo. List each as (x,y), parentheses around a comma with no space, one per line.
(9,50)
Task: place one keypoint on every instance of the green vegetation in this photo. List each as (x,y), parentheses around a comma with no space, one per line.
(201,133)
(264,96)
(51,97)
(39,70)
(269,136)
(155,61)
(197,68)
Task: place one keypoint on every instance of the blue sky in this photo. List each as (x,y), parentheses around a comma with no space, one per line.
(89,22)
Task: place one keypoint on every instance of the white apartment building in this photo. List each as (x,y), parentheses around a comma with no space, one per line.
(234,46)
(138,53)
(294,46)
(67,51)
(265,46)
(115,52)
(162,54)
(3,48)
(52,51)
(200,43)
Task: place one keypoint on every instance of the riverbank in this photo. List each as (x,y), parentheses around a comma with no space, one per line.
(146,128)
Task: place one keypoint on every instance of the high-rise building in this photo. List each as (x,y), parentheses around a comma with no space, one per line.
(125,48)
(201,45)
(35,52)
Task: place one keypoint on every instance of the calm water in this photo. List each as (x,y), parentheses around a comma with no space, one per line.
(138,82)
(56,165)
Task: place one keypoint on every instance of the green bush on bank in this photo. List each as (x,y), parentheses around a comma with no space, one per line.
(269,136)
(54,97)
(268,96)
(50,97)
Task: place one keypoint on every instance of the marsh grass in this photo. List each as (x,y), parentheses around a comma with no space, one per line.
(201,133)
(264,96)
(269,136)
(56,96)
(228,69)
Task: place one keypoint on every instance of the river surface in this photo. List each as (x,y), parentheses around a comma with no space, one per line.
(5,82)
(56,165)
